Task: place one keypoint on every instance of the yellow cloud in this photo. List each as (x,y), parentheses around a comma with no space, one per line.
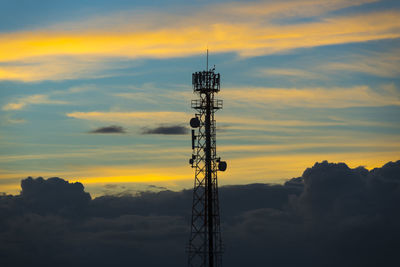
(241,170)
(250,35)
(12,188)
(142,118)
(287,73)
(247,39)
(278,168)
(14,106)
(56,68)
(32,100)
(170,176)
(150,153)
(163,155)
(388,145)
(358,96)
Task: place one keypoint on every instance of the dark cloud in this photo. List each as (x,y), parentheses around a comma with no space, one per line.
(111,186)
(174,129)
(109,130)
(332,215)
(151,186)
(53,195)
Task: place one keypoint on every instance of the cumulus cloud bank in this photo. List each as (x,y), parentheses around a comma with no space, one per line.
(330,216)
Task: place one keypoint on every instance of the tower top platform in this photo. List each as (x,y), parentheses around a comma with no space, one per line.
(206,81)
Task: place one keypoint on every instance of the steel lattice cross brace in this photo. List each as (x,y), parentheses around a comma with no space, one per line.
(205,244)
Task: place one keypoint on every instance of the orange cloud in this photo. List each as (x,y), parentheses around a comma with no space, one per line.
(241,170)
(243,30)
(278,168)
(247,39)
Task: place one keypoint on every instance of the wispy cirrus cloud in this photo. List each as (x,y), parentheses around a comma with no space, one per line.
(374,63)
(246,39)
(24,102)
(382,64)
(58,67)
(132,117)
(357,96)
(288,72)
(233,12)
(288,8)
(245,29)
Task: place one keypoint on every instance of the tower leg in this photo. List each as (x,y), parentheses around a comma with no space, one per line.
(209,183)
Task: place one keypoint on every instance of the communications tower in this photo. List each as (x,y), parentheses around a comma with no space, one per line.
(205,244)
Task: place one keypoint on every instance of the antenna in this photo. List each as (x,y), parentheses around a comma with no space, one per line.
(207,59)
(205,244)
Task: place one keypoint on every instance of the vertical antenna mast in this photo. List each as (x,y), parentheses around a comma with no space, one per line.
(205,244)
(207,60)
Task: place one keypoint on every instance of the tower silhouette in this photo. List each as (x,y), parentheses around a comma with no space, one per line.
(205,244)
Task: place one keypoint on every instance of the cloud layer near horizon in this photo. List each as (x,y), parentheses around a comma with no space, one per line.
(332,215)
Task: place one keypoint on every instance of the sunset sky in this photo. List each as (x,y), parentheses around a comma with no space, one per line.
(86,85)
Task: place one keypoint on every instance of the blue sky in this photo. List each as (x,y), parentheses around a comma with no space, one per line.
(302,81)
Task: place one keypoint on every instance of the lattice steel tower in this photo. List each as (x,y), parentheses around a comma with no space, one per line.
(205,245)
